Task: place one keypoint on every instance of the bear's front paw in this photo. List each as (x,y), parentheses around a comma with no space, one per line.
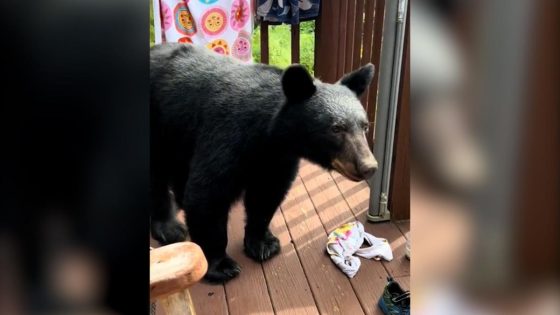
(262,249)
(221,270)
(168,232)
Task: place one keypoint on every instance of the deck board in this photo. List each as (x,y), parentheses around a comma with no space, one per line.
(331,289)
(210,298)
(302,279)
(287,283)
(328,201)
(404,226)
(248,293)
(400,265)
(354,194)
(370,280)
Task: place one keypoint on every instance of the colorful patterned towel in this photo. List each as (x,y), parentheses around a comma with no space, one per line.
(347,240)
(223,26)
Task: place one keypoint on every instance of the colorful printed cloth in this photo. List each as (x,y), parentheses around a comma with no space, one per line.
(223,26)
(288,11)
(345,241)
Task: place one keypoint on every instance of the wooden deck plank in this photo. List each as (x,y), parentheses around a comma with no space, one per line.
(404,226)
(369,288)
(209,299)
(369,284)
(400,265)
(330,204)
(248,293)
(287,283)
(370,280)
(331,288)
(356,194)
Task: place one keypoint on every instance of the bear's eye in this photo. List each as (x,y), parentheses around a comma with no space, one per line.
(337,128)
(366,127)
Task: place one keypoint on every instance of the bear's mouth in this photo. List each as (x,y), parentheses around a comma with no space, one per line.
(339,166)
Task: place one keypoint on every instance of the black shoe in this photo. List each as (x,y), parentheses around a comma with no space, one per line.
(394,301)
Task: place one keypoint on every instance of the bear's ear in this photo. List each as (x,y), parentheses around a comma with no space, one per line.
(359,80)
(297,83)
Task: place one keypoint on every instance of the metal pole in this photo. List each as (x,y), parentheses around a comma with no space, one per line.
(391,55)
(157,22)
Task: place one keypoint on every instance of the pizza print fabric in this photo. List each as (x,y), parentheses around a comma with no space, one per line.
(219,46)
(214,21)
(183,20)
(242,46)
(240,14)
(223,26)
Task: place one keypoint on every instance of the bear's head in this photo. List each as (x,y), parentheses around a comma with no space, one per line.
(326,123)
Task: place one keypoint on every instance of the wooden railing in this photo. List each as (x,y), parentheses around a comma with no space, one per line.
(265,55)
(348,34)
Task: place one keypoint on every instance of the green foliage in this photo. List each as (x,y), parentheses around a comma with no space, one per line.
(280,45)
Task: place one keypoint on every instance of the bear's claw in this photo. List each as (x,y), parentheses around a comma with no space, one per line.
(222,270)
(262,249)
(169,232)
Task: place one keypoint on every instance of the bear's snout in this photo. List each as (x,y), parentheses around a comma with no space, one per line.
(367,168)
(357,170)
(356,161)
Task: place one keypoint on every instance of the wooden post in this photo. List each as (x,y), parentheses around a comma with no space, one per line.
(379,19)
(264,42)
(350,26)
(342,33)
(326,41)
(295,43)
(173,269)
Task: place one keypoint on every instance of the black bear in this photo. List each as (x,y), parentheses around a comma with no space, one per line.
(221,129)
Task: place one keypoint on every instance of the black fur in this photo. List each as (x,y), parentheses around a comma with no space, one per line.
(220,128)
(359,80)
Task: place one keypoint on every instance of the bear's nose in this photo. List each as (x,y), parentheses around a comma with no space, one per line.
(368,169)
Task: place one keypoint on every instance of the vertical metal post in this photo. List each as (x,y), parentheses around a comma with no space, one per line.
(157,22)
(389,79)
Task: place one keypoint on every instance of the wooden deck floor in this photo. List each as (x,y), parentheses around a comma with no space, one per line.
(303,279)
